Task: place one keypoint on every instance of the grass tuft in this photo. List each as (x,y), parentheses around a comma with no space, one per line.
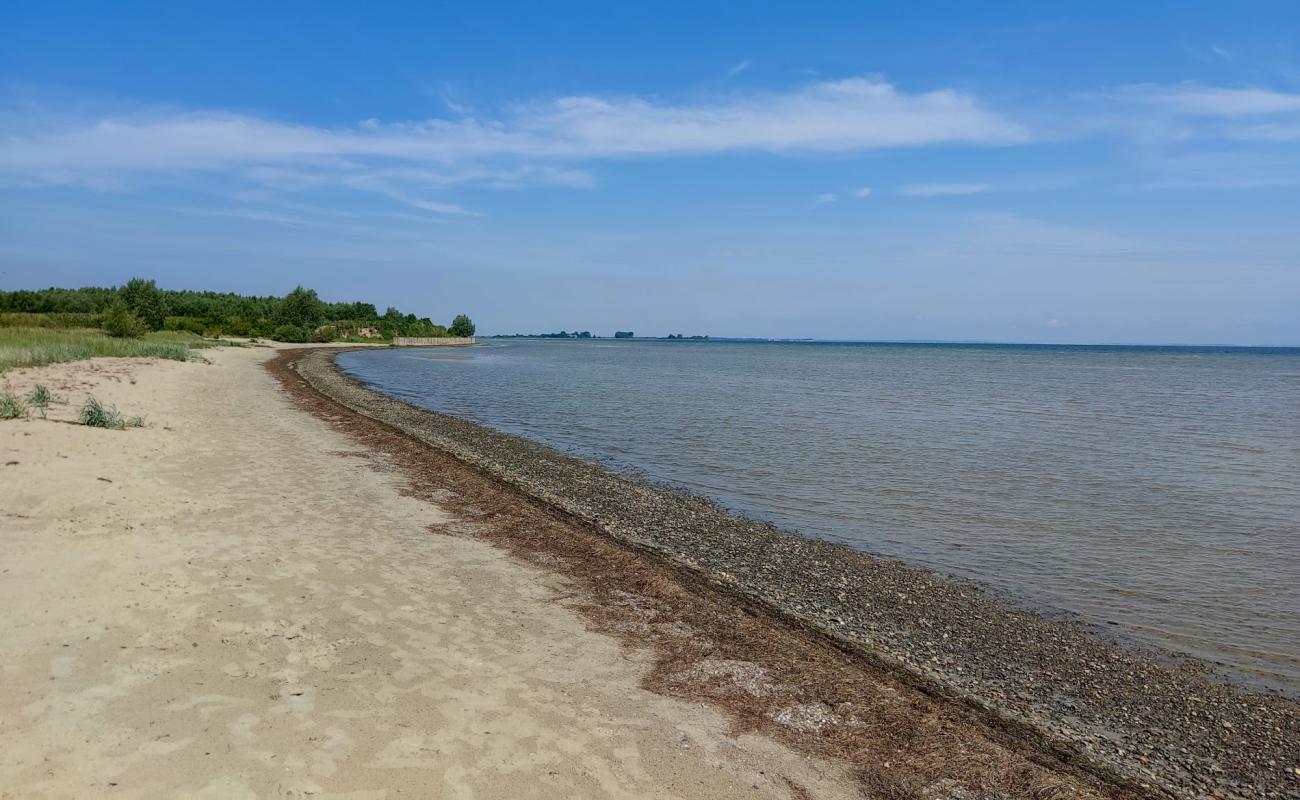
(12,407)
(97,415)
(40,399)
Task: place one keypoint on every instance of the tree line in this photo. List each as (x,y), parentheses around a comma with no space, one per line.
(300,316)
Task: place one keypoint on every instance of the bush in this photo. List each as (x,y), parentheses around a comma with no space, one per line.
(291,333)
(122,322)
(325,333)
(238,326)
(190,324)
(61,320)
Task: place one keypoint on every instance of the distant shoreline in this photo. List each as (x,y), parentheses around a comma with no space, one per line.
(1107,703)
(974,345)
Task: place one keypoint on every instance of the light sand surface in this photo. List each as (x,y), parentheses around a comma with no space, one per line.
(231,602)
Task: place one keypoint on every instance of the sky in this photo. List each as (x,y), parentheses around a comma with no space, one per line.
(1036,172)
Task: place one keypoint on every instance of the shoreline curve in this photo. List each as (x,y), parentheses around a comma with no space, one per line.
(1121,712)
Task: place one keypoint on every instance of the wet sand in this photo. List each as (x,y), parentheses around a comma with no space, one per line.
(239,601)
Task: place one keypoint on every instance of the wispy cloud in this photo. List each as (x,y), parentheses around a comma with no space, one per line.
(864,191)
(836,116)
(1212,101)
(739,67)
(942,189)
(250,214)
(1221,170)
(554,142)
(826,197)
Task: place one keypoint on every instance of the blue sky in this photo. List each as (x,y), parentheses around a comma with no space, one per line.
(1066,172)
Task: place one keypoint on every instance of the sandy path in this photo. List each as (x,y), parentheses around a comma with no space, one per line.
(245,609)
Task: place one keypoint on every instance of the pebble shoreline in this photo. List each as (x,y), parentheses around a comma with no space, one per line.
(1169,726)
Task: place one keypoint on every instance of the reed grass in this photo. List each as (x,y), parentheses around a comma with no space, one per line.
(36,347)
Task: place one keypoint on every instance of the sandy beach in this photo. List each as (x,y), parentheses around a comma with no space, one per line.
(236,601)
(285,585)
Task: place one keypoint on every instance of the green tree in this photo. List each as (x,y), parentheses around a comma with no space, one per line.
(300,308)
(121,320)
(461,326)
(147,301)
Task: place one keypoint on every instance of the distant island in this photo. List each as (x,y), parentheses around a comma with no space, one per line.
(560,335)
(588,335)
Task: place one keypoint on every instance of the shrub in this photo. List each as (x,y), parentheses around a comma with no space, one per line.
(12,407)
(325,333)
(238,326)
(191,324)
(291,333)
(96,415)
(50,320)
(122,322)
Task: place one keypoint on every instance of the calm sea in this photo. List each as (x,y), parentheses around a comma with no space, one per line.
(1157,489)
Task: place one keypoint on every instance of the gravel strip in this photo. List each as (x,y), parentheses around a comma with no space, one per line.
(1156,722)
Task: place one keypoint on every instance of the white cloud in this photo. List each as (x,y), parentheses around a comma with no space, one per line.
(739,68)
(845,115)
(864,191)
(853,114)
(826,197)
(1213,101)
(942,189)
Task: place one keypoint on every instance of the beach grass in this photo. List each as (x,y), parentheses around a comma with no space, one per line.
(36,347)
(12,407)
(40,399)
(97,415)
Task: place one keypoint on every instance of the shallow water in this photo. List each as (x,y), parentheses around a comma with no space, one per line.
(1157,489)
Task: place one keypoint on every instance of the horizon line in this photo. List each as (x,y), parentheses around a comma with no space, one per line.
(816,340)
